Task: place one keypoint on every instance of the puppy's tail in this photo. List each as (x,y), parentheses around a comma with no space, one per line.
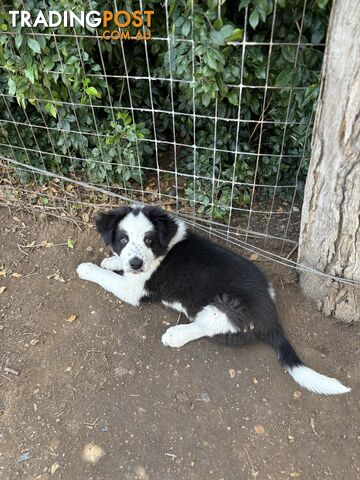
(304,376)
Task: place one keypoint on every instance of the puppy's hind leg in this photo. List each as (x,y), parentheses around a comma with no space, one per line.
(208,322)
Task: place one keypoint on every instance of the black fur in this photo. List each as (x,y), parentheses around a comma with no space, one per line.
(165,228)
(197,272)
(107,222)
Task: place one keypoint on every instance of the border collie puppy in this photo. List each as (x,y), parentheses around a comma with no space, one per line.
(224,295)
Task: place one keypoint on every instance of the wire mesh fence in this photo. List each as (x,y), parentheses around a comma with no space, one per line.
(211,117)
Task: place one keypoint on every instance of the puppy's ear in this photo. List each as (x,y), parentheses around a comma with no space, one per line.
(106,223)
(165,225)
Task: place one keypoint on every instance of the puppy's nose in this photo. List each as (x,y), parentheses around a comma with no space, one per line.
(136,263)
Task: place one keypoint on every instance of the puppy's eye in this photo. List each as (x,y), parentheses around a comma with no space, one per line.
(148,241)
(123,240)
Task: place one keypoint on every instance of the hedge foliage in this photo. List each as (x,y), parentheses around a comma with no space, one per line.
(43,77)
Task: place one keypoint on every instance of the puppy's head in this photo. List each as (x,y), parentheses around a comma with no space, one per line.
(140,235)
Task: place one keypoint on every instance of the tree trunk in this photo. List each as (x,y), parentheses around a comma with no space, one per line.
(330,224)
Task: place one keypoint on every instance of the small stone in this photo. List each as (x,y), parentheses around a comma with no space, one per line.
(182,397)
(120,371)
(24,457)
(259,429)
(92,453)
(205,397)
(140,473)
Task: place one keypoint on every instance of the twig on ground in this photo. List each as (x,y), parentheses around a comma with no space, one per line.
(253,472)
(312,423)
(11,370)
(293,250)
(7,378)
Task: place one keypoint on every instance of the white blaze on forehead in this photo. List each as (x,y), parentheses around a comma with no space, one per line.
(136,226)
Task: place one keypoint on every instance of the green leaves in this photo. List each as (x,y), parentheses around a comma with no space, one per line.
(11,86)
(185,29)
(34,45)
(209,78)
(71,243)
(51,108)
(286,78)
(236,35)
(322,3)
(18,41)
(31,73)
(93,92)
(254,19)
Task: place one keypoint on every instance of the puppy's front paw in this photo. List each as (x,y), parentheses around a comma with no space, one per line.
(112,263)
(176,337)
(87,271)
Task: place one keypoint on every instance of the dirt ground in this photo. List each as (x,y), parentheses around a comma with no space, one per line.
(201,412)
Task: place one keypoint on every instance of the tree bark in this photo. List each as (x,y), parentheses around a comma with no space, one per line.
(330,224)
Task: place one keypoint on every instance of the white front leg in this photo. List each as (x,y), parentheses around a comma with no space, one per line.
(123,287)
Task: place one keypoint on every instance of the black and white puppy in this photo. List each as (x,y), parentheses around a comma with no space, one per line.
(224,295)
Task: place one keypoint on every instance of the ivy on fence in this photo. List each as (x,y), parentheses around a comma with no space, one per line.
(63,86)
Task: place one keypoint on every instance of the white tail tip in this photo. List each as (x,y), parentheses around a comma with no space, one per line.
(315,382)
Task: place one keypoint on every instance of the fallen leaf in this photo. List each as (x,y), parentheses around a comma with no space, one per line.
(34,341)
(232,373)
(54,467)
(2,289)
(294,474)
(71,318)
(259,429)
(297,394)
(16,275)
(3,273)
(85,217)
(255,380)
(71,243)
(254,256)
(55,276)
(89,249)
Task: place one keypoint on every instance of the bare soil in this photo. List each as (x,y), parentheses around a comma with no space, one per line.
(201,412)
